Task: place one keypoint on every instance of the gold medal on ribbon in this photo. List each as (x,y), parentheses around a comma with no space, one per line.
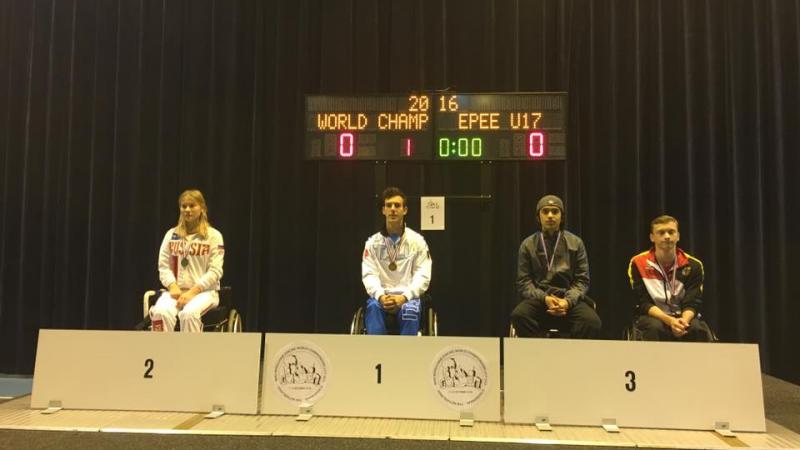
(392,250)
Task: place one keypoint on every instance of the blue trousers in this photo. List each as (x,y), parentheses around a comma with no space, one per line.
(407,317)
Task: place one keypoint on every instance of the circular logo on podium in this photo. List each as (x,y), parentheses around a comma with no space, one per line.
(301,373)
(460,377)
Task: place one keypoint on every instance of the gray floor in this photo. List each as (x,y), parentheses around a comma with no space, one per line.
(781,401)
(15,385)
(86,441)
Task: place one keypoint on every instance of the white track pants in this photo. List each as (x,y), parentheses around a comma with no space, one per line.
(165,312)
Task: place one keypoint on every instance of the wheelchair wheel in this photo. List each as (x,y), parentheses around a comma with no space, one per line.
(712,336)
(512,332)
(631,333)
(234,323)
(357,324)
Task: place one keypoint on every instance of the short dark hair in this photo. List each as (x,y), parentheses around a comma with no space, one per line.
(392,191)
(660,220)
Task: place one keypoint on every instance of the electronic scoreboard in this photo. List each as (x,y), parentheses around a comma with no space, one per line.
(437,126)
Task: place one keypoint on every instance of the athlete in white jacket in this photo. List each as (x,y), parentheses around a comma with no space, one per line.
(189,266)
(395,269)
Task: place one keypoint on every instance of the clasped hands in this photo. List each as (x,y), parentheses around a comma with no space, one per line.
(556,306)
(183,297)
(679,326)
(392,302)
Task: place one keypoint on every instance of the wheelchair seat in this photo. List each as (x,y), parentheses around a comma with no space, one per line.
(554,332)
(428,324)
(223,317)
(632,333)
(551,333)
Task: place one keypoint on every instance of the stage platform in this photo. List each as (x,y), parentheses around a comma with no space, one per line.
(22,427)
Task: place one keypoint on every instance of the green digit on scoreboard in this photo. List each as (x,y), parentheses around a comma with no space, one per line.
(444,147)
(477,147)
(463,147)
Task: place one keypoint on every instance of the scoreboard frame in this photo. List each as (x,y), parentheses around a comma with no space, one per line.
(437,126)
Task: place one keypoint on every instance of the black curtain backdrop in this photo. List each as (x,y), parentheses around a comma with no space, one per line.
(109,109)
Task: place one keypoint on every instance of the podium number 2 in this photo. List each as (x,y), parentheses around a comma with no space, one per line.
(378,369)
(631,384)
(148,363)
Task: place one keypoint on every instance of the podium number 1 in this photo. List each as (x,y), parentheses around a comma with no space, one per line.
(148,363)
(378,369)
(631,384)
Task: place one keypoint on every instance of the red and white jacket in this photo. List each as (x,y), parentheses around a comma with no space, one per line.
(651,283)
(191,260)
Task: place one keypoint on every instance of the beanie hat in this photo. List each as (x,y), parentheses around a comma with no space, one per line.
(549,200)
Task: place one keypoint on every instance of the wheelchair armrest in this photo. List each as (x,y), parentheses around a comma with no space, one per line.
(225,296)
(146,302)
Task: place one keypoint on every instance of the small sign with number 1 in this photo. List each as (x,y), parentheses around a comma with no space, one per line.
(432,211)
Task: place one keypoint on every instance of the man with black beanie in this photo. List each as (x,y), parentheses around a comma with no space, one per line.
(553,278)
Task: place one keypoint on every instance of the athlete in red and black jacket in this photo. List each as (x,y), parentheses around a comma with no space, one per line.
(667,285)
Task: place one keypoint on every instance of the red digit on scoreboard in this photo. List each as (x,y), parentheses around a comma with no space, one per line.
(536,144)
(346,145)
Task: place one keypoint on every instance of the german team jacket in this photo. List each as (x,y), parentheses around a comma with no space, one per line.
(650,283)
(568,277)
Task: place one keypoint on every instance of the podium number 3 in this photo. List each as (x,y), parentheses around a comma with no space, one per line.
(148,363)
(631,384)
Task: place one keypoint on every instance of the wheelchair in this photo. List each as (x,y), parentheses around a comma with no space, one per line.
(224,317)
(428,323)
(554,333)
(551,333)
(631,333)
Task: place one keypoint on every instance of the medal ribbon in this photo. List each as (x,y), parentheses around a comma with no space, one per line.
(552,257)
(667,282)
(184,252)
(393,249)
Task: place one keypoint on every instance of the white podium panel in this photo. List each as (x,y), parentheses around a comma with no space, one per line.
(634,384)
(418,377)
(137,370)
